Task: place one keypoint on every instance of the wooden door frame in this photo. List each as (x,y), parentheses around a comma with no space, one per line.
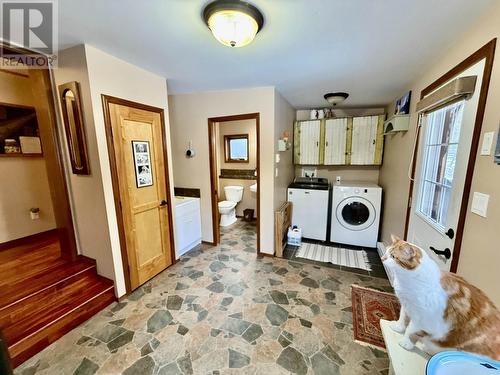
(53,153)
(106,101)
(214,186)
(487,52)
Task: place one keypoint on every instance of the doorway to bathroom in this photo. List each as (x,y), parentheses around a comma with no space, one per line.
(234,146)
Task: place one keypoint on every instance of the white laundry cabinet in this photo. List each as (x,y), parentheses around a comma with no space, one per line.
(339,141)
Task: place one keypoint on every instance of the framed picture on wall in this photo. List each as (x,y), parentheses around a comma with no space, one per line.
(142,163)
(72,111)
(403,104)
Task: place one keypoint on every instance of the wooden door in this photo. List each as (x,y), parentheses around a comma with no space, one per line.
(140,169)
(309,138)
(335,141)
(367,140)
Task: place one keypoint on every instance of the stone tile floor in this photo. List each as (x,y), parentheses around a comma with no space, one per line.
(223,310)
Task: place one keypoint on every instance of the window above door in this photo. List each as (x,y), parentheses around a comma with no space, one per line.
(236,148)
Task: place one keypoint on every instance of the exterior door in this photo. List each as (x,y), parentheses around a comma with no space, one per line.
(309,142)
(335,141)
(139,155)
(441,169)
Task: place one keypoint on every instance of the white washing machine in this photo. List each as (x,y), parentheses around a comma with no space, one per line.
(309,197)
(355,213)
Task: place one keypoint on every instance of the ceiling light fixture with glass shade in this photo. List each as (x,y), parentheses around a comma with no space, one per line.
(233,23)
(335,98)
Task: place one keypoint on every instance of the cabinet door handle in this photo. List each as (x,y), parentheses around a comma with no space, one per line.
(326,144)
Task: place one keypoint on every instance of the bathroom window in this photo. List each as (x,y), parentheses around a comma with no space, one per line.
(236,148)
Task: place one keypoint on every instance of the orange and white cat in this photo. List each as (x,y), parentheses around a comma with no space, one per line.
(439,308)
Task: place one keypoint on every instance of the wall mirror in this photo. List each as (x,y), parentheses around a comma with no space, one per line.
(236,148)
(69,94)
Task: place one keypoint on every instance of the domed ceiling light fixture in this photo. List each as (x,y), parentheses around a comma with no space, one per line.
(335,98)
(234,23)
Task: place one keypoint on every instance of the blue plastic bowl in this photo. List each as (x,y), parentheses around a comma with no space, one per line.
(461,363)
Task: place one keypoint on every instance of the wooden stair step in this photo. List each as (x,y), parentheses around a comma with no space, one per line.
(28,264)
(37,335)
(39,310)
(53,277)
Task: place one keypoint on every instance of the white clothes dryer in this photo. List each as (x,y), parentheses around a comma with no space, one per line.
(355,213)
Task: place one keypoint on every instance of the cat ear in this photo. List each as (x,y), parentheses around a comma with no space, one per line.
(395,238)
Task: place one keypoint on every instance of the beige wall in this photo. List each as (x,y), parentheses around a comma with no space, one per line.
(25,182)
(346,173)
(98,230)
(480,253)
(304,114)
(238,127)
(26,186)
(189,114)
(284,116)
(86,192)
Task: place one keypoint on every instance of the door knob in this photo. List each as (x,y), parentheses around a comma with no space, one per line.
(450,233)
(446,252)
(163,203)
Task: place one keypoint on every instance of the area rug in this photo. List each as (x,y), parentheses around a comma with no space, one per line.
(336,255)
(368,307)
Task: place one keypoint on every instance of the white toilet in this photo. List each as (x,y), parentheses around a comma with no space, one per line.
(227,208)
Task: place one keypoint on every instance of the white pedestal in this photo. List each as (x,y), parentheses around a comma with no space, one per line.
(403,362)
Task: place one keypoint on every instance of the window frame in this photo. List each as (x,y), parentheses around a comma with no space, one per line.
(227,148)
(435,223)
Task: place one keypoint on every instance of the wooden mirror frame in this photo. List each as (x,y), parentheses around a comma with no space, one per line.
(227,148)
(77,144)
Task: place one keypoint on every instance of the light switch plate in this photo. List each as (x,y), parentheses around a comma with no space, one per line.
(487,143)
(480,204)
(278,158)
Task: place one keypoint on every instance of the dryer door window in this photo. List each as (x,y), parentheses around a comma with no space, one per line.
(355,213)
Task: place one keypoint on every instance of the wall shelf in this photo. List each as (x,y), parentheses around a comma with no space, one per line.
(397,123)
(20,155)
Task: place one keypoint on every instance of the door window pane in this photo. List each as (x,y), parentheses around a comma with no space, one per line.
(439,159)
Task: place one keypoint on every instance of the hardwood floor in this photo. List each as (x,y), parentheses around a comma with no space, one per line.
(44,296)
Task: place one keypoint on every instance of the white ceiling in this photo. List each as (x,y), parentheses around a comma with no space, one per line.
(370,48)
